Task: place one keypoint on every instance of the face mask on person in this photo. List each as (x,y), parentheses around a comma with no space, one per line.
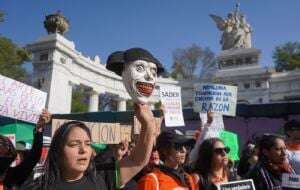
(139,78)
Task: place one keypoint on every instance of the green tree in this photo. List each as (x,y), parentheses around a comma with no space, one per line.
(79,101)
(12,57)
(185,61)
(287,56)
(188,62)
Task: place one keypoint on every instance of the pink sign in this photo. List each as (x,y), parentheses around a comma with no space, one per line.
(20,101)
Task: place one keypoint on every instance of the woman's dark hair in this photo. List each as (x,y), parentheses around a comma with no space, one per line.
(203,165)
(7,153)
(266,142)
(53,168)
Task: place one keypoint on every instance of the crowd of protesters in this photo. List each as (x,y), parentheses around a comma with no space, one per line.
(162,160)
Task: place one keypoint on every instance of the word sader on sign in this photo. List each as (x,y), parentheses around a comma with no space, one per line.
(216,98)
(170,97)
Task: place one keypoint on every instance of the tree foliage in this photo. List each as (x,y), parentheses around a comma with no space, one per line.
(79,100)
(12,57)
(192,62)
(287,56)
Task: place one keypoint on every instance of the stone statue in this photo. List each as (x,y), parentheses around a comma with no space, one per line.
(139,70)
(56,23)
(236,30)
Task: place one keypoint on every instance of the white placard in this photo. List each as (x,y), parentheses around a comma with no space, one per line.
(216,98)
(291,181)
(237,185)
(20,101)
(217,120)
(170,97)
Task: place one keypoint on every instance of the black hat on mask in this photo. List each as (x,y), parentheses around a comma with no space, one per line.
(118,59)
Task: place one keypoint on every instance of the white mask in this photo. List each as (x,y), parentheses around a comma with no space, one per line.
(139,78)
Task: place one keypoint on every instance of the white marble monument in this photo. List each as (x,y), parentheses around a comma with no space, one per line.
(57,66)
(238,64)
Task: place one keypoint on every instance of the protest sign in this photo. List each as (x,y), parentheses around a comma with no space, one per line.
(20,101)
(231,140)
(137,125)
(216,98)
(170,97)
(237,185)
(290,181)
(104,133)
(217,120)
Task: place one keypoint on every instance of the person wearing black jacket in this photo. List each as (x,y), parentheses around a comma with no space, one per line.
(16,176)
(272,163)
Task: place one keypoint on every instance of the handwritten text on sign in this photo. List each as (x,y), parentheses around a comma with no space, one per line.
(20,101)
(170,97)
(238,185)
(105,133)
(290,181)
(216,98)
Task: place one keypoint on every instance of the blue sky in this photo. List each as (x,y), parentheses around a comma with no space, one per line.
(99,27)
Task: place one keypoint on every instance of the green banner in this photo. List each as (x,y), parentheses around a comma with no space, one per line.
(231,140)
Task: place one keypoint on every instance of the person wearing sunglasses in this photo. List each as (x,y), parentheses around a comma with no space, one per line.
(170,175)
(292,132)
(211,167)
(272,163)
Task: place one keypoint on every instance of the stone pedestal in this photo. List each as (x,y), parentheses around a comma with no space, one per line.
(238,58)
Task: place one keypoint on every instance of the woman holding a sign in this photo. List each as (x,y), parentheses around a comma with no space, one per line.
(70,163)
(16,176)
(272,163)
(212,165)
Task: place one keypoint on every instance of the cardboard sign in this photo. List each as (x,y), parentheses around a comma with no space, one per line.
(216,98)
(137,126)
(237,185)
(290,181)
(231,140)
(104,133)
(170,97)
(20,101)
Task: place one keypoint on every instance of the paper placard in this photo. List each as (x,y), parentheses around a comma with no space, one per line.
(137,126)
(20,101)
(170,97)
(237,185)
(216,98)
(217,120)
(291,181)
(230,140)
(104,133)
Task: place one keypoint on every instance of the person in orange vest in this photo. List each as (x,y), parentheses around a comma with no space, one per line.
(170,175)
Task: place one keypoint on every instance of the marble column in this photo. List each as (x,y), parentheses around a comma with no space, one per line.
(121,105)
(93,101)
